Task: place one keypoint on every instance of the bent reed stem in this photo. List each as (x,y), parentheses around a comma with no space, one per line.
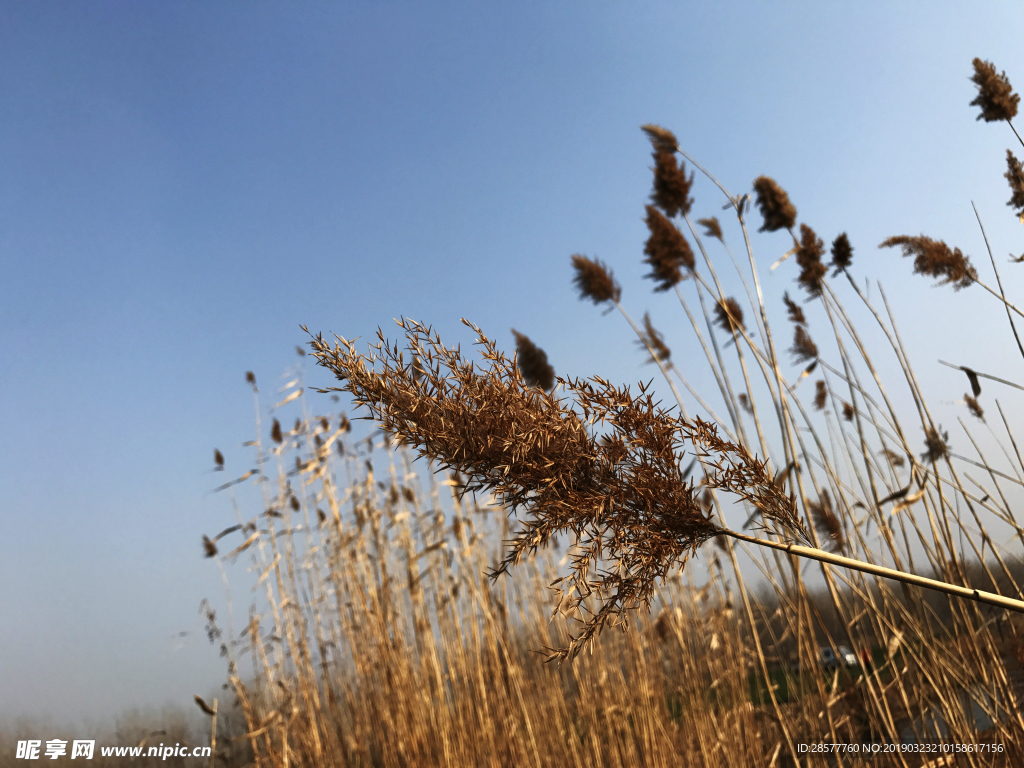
(821,555)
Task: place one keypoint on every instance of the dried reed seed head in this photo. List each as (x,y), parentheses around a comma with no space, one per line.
(848,411)
(662,139)
(729,315)
(275,432)
(1015,175)
(974,407)
(652,339)
(209,548)
(317,441)
(934,258)
(808,256)
(408,495)
(827,523)
(294,503)
(671,186)
(300,351)
(344,425)
(321,515)
(712,228)
(745,403)
(207,709)
(298,428)
(218,458)
(539,459)
(804,349)
(842,254)
(777,210)
(796,314)
(325,425)
(995,94)
(250,377)
(936,444)
(595,281)
(667,251)
(820,395)
(892,457)
(533,363)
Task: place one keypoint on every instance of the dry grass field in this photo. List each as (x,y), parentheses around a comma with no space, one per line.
(528,605)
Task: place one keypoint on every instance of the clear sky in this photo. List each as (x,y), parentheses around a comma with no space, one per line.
(183,184)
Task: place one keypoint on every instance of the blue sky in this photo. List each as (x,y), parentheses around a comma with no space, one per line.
(182,185)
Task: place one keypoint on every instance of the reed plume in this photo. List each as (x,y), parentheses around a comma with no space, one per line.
(776,209)
(808,256)
(595,281)
(533,363)
(729,315)
(671,186)
(623,497)
(1015,176)
(712,228)
(842,254)
(652,339)
(936,444)
(820,395)
(804,349)
(667,251)
(934,258)
(974,407)
(795,312)
(662,139)
(892,457)
(995,94)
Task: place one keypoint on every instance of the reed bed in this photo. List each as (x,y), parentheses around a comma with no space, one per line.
(536,607)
